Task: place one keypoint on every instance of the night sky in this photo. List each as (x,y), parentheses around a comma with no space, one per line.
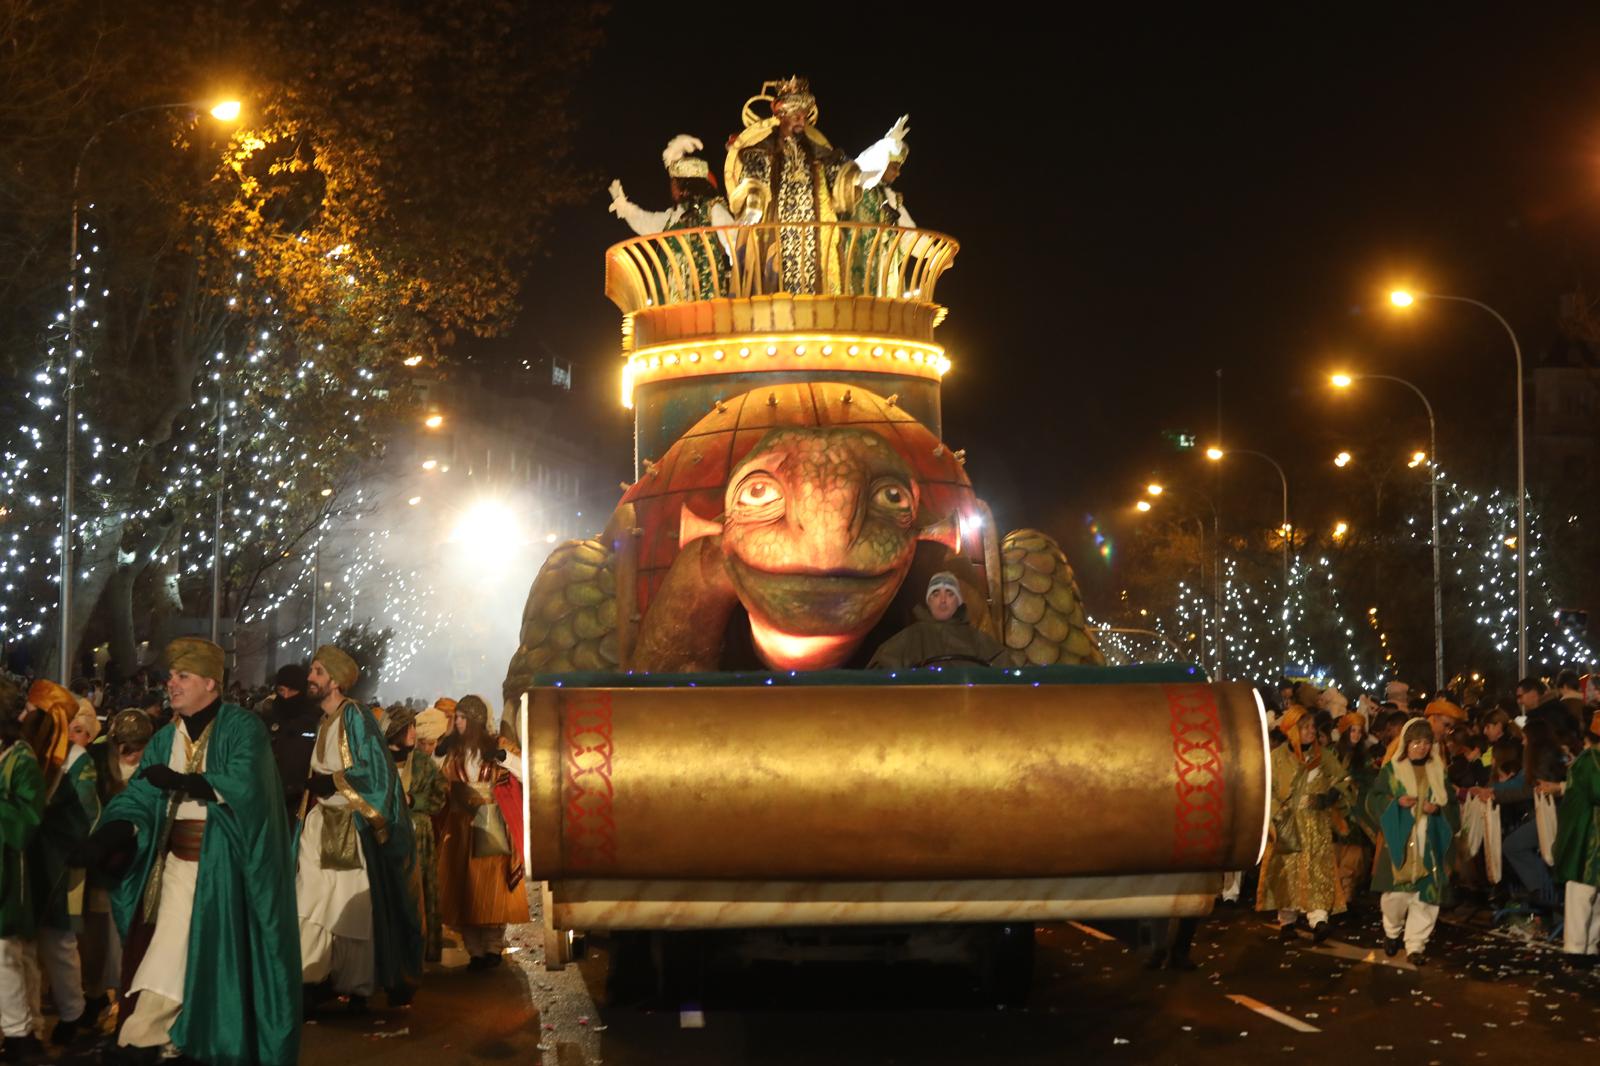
(1142,204)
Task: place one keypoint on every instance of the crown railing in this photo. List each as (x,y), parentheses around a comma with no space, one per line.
(811,258)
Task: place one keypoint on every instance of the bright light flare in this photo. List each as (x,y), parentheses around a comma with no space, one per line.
(414,501)
(487,531)
(1215,454)
(1417,459)
(412,360)
(1155,489)
(433,421)
(1402,298)
(1340,529)
(1341,381)
(226,111)
(430,464)
(1142,505)
(1342,460)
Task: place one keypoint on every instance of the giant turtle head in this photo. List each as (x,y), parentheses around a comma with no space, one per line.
(819,529)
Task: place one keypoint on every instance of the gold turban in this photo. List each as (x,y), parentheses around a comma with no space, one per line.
(445,704)
(475,710)
(341,668)
(433,723)
(87,716)
(1446,709)
(196,655)
(60,706)
(131,726)
(396,719)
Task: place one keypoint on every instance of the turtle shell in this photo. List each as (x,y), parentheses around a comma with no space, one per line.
(695,470)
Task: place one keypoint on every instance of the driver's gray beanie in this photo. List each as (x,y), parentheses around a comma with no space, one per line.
(944,579)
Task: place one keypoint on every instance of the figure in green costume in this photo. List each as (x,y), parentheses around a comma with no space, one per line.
(359,922)
(1416,809)
(71,809)
(1577,850)
(21,808)
(426,791)
(204,901)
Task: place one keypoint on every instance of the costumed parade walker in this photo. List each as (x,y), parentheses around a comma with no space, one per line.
(794,494)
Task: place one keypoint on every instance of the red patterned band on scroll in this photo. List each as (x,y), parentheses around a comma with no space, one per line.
(1197,761)
(589,829)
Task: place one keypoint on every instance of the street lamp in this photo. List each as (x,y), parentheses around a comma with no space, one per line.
(1216,455)
(1218,644)
(1342,460)
(1344,381)
(1404,298)
(225,111)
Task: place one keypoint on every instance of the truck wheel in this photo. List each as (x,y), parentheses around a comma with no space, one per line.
(630,968)
(1008,964)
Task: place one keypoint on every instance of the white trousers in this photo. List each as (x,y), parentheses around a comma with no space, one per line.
(1231,883)
(1582,936)
(483,939)
(1288,915)
(1405,915)
(335,917)
(58,955)
(159,980)
(17,1016)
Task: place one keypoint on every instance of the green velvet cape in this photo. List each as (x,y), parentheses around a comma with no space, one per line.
(387,842)
(1397,823)
(1577,850)
(69,814)
(241,992)
(21,809)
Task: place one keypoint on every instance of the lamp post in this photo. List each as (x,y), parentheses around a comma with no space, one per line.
(226,111)
(1404,298)
(1218,643)
(1344,381)
(1216,455)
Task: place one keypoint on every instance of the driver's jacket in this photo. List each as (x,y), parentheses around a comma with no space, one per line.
(927,639)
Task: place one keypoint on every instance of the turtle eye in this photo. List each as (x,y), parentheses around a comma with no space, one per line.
(759,492)
(894,499)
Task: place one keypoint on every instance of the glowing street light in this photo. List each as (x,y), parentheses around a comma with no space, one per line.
(1142,505)
(429,464)
(1342,460)
(1216,455)
(1403,298)
(1154,489)
(1340,529)
(225,111)
(411,360)
(414,501)
(433,421)
(1417,459)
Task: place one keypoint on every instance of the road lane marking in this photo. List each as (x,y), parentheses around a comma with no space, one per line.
(1091,931)
(1338,949)
(1276,1015)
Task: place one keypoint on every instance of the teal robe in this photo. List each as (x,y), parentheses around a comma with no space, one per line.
(69,814)
(241,991)
(371,784)
(1577,851)
(21,810)
(1396,824)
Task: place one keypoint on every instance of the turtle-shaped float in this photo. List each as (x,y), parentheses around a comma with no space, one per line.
(792,527)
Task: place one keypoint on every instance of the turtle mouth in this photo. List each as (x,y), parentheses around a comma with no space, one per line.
(813,600)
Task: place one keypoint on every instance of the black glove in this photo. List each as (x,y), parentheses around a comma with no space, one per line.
(167,779)
(321,785)
(161,776)
(109,849)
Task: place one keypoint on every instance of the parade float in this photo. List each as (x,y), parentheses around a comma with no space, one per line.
(703,747)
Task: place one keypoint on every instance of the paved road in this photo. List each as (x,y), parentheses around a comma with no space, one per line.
(1489,997)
